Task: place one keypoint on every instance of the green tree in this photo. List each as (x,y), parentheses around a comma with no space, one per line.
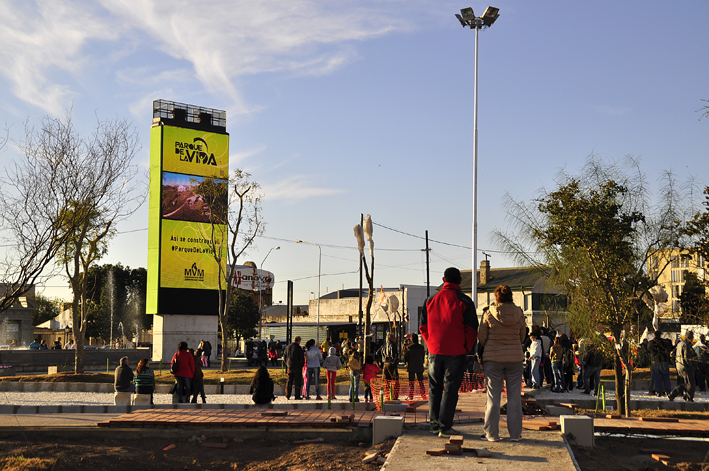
(235,221)
(243,315)
(693,301)
(594,235)
(47,309)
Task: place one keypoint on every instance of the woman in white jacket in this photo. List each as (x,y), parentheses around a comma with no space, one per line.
(314,359)
(535,358)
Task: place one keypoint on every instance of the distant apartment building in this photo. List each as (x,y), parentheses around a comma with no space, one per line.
(671,266)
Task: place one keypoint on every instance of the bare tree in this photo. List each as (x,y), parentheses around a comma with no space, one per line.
(73,190)
(235,222)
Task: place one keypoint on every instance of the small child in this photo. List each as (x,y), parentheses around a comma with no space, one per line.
(369,372)
(331,364)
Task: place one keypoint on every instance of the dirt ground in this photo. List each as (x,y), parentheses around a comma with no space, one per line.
(148,454)
(621,454)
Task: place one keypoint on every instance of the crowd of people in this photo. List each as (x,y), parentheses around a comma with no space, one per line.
(505,350)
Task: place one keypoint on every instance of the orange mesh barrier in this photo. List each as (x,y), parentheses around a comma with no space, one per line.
(408,392)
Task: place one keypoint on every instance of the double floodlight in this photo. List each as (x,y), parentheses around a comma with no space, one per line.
(467,18)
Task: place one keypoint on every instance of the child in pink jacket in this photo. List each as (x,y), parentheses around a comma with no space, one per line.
(369,372)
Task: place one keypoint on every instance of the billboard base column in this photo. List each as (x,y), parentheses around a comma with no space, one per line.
(169,330)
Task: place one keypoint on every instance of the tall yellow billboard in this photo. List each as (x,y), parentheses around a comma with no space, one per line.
(188,145)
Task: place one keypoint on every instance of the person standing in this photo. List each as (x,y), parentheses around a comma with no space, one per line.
(660,363)
(449,326)
(123,377)
(702,374)
(390,358)
(331,364)
(314,359)
(502,332)
(144,379)
(182,366)
(685,361)
(294,359)
(198,378)
(535,358)
(414,358)
(57,344)
(354,364)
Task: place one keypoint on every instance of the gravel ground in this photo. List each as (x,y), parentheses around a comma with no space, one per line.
(92,398)
(576,394)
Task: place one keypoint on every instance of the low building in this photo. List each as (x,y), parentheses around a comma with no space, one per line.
(671,267)
(16,322)
(339,314)
(542,303)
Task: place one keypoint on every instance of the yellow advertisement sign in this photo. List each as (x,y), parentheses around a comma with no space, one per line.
(195,152)
(187,259)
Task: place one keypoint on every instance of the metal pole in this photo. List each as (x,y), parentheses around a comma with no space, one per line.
(361,331)
(317,333)
(428,272)
(473,279)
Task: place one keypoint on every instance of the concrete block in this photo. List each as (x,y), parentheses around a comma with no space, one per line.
(122,398)
(46,387)
(141,399)
(59,387)
(580,426)
(52,370)
(559,410)
(71,409)
(47,409)
(395,407)
(385,427)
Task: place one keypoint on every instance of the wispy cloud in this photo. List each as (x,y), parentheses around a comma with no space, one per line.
(41,39)
(47,42)
(295,188)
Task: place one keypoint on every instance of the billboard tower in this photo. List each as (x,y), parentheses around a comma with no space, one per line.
(187,144)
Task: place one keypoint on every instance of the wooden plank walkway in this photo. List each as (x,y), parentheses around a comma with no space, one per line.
(468,412)
(471,409)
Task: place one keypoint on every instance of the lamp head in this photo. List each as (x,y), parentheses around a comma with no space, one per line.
(468,14)
(490,15)
(278,247)
(298,241)
(462,21)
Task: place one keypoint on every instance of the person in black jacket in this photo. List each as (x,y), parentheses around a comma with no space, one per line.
(295,360)
(261,389)
(414,358)
(123,377)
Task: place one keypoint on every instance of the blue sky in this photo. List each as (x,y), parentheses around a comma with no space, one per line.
(342,108)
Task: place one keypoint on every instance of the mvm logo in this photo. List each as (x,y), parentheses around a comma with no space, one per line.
(195,152)
(194,273)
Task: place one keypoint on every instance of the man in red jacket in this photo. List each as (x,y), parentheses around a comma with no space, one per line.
(449,325)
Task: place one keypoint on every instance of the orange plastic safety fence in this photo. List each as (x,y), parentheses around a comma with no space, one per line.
(412,391)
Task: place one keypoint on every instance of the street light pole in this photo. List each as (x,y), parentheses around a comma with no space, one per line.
(260,282)
(317,332)
(469,19)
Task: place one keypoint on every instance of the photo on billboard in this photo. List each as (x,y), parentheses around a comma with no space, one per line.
(185,197)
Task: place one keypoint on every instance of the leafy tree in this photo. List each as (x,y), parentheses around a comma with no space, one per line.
(235,221)
(693,301)
(594,235)
(47,309)
(243,315)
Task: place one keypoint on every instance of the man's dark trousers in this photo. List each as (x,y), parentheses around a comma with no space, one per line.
(445,375)
(295,378)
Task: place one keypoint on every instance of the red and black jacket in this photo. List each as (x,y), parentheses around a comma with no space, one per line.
(449,323)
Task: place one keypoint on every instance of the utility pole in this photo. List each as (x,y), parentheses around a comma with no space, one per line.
(428,274)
